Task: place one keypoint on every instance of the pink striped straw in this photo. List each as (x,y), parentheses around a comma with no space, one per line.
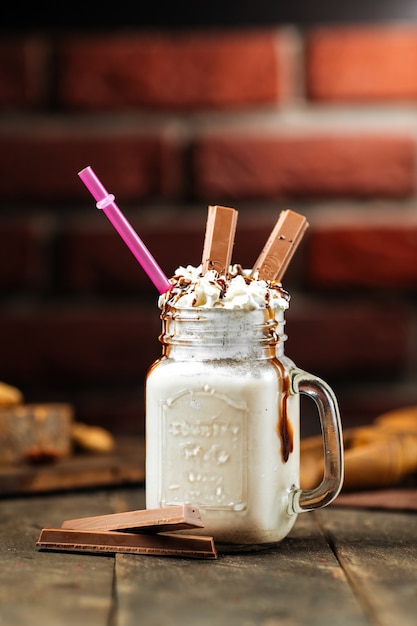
(105,202)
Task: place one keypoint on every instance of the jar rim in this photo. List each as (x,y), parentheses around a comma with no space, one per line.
(221,310)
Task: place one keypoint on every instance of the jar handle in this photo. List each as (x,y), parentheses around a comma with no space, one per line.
(302,500)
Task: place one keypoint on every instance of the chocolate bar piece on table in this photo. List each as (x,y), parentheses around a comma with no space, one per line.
(189,546)
(170,518)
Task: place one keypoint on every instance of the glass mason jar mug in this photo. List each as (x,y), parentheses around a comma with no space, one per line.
(223,424)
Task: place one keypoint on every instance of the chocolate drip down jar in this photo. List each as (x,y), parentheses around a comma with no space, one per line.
(223,415)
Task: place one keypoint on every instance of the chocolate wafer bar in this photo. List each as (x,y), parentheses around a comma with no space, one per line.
(219,239)
(170,518)
(280,246)
(189,546)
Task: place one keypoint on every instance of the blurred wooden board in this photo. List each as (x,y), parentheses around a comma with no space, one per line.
(126,464)
(400,499)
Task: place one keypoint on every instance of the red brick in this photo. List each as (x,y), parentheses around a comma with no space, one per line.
(372,63)
(113,343)
(107,345)
(23,72)
(97,357)
(95,259)
(42,163)
(194,70)
(349,254)
(238,166)
(22,255)
(354,340)
(120,409)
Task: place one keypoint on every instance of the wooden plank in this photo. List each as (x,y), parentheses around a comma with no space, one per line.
(403,499)
(343,566)
(378,553)
(46,588)
(122,466)
(297,582)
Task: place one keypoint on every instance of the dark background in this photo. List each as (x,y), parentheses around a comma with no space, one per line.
(78,318)
(205,14)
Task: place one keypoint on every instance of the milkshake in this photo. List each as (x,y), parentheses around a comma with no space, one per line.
(222,409)
(222,401)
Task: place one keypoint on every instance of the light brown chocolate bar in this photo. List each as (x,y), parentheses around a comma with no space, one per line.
(280,246)
(176,517)
(189,546)
(219,239)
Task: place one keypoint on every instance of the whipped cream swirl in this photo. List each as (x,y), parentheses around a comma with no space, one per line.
(237,290)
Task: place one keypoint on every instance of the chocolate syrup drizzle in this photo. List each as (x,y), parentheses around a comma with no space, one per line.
(284,426)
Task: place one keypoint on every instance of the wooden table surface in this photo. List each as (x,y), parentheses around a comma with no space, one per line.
(339,566)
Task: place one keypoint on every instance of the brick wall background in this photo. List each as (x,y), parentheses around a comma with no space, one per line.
(318,119)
